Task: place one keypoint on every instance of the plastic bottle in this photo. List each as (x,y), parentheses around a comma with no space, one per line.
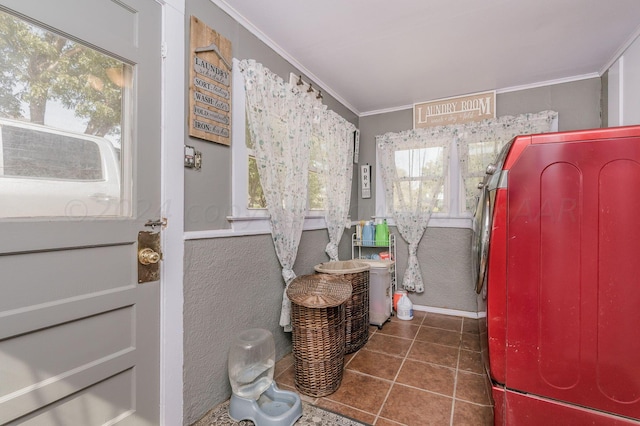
(251,363)
(368,234)
(405,308)
(396,298)
(386,232)
(382,234)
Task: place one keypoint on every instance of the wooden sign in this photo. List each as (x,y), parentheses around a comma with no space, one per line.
(458,110)
(209,84)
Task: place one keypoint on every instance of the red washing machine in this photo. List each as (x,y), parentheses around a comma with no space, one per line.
(557,248)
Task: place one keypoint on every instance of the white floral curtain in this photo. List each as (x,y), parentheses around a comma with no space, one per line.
(413,165)
(480,143)
(334,138)
(280,120)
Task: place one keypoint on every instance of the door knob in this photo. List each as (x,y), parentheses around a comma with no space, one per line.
(147,256)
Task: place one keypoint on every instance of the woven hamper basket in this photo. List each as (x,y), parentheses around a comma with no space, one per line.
(318,327)
(357,307)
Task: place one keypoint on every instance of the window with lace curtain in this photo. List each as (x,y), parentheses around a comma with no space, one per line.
(479,144)
(472,147)
(480,155)
(317,190)
(414,167)
(249,211)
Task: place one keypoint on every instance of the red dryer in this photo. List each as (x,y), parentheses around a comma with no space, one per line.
(558,253)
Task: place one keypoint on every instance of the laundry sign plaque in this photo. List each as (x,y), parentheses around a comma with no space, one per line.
(457,110)
(209,84)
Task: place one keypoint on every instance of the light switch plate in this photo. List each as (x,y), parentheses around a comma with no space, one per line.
(192,158)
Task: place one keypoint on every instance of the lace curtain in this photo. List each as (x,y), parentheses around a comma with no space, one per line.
(480,143)
(334,139)
(287,126)
(280,121)
(413,165)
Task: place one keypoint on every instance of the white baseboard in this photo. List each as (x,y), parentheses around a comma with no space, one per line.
(452,312)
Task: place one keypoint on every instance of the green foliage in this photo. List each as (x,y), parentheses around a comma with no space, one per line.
(40,66)
(418,173)
(316,187)
(316,193)
(256,195)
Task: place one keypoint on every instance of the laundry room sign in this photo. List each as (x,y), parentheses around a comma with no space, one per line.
(209,84)
(457,110)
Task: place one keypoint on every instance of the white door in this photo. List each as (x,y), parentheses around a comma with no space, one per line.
(79,178)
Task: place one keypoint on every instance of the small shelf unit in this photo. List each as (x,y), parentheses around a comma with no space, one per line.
(360,249)
(381,293)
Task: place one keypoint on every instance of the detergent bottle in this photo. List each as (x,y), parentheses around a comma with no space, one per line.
(405,308)
(382,233)
(368,234)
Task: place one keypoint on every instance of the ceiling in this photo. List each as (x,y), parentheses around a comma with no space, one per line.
(381,55)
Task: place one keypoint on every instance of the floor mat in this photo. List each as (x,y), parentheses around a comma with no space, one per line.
(311,416)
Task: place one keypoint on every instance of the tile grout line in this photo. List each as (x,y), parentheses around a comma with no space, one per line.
(393,382)
(377,417)
(455,380)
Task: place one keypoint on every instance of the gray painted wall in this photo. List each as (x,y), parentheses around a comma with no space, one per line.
(604,102)
(577,103)
(234,283)
(208,191)
(445,261)
(230,285)
(444,253)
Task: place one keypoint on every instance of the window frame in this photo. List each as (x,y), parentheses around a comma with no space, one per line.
(455,217)
(453,184)
(109,195)
(246,221)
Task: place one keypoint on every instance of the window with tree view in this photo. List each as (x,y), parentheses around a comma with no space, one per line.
(416,170)
(480,154)
(316,188)
(63,106)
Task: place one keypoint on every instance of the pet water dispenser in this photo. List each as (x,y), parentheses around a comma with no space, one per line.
(255,395)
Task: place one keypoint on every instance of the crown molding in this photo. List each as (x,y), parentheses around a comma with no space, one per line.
(242,20)
(635,36)
(499,91)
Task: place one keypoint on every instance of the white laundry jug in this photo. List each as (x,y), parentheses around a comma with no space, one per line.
(405,308)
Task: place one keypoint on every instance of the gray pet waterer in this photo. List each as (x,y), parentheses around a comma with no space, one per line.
(255,394)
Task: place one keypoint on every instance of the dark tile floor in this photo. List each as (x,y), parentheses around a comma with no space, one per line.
(427,371)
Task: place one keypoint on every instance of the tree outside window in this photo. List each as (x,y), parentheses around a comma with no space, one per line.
(317,191)
(42,70)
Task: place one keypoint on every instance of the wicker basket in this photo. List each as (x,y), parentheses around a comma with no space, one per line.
(357,307)
(317,321)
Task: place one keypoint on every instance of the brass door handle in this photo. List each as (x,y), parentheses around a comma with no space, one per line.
(147,256)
